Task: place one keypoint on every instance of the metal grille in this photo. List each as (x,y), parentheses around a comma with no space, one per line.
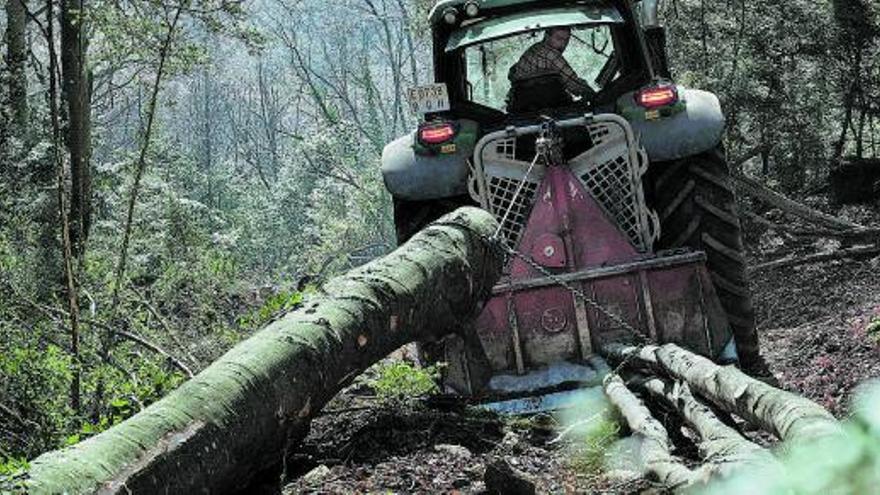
(504,173)
(607,171)
(609,174)
(501,192)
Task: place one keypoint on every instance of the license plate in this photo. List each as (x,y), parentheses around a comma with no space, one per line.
(429,98)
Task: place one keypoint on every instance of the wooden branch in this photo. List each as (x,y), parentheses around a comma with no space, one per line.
(755,189)
(738,162)
(164,324)
(50,311)
(788,416)
(654,447)
(155,348)
(856,252)
(848,235)
(239,416)
(720,445)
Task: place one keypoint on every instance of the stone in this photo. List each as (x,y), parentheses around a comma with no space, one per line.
(316,475)
(503,479)
(453,450)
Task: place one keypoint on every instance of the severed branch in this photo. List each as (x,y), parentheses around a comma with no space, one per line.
(155,348)
(790,417)
(720,445)
(654,446)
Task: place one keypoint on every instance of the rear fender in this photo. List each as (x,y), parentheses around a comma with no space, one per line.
(417,177)
(696,129)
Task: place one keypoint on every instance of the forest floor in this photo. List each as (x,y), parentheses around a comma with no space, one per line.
(813,321)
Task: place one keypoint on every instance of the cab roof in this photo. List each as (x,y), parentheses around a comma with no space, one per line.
(436,14)
(531,20)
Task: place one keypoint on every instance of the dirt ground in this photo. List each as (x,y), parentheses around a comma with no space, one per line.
(812,320)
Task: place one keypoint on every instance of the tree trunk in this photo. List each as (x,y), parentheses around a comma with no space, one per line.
(16,58)
(76,95)
(239,415)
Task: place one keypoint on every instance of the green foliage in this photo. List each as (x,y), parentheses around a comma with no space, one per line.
(400,382)
(593,442)
(873,328)
(271,309)
(13,475)
(849,464)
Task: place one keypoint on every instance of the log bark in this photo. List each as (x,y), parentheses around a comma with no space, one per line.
(654,447)
(720,445)
(755,189)
(790,417)
(239,415)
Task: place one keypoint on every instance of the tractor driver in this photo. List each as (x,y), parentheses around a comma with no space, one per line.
(542,78)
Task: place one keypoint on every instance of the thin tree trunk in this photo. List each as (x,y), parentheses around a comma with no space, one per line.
(720,445)
(747,185)
(654,445)
(142,158)
(16,58)
(76,95)
(66,241)
(238,416)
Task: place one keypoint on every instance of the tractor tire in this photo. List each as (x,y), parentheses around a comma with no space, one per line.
(696,201)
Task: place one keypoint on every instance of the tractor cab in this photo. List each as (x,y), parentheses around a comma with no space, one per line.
(475,57)
(558,143)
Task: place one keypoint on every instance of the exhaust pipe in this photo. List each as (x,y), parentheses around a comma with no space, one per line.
(655,38)
(650,18)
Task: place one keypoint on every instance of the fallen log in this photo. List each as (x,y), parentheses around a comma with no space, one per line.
(840,254)
(790,417)
(239,415)
(755,189)
(654,447)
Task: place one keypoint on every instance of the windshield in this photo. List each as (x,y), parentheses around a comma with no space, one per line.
(589,54)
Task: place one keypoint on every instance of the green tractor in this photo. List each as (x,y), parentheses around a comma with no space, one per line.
(510,104)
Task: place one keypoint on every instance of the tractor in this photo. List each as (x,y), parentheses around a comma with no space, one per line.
(615,207)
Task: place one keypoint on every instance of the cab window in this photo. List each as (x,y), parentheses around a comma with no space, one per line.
(590,53)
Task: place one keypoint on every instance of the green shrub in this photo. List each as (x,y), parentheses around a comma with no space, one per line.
(873,328)
(593,445)
(402,382)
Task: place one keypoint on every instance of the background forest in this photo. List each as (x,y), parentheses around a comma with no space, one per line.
(173,175)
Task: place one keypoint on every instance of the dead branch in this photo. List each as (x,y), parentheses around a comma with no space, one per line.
(856,252)
(155,348)
(165,326)
(755,189)
(848,235)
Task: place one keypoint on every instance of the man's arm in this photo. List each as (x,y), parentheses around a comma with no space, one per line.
(573,84)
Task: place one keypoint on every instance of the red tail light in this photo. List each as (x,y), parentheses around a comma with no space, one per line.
(436,133)
(657,96)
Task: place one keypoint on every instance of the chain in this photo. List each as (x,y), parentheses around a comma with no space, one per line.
(497,241)
(592,303)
